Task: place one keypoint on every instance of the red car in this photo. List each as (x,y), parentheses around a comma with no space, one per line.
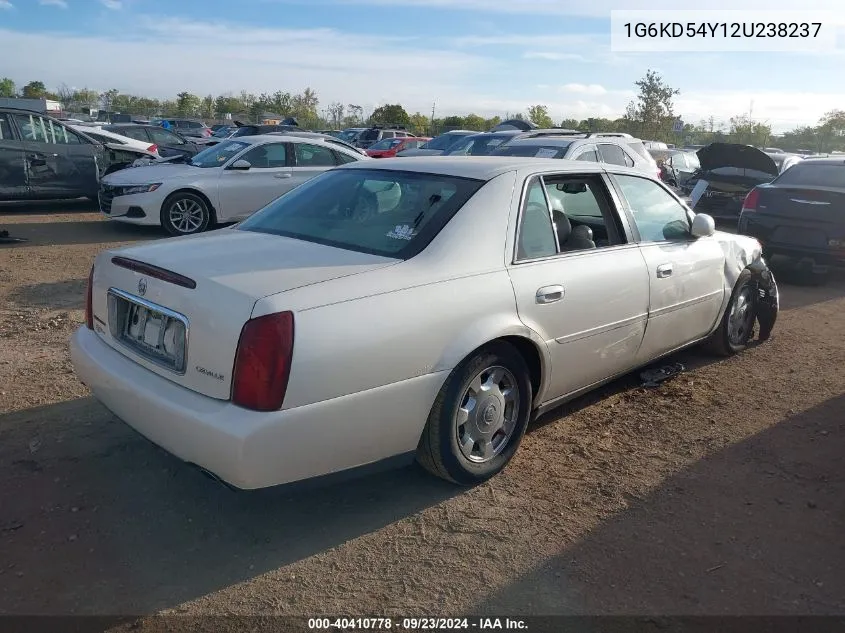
(387,147)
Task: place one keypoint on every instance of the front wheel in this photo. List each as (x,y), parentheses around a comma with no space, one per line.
(737,326)
(185,213)
(479,417)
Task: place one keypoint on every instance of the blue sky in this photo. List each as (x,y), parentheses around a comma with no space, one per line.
(484,56)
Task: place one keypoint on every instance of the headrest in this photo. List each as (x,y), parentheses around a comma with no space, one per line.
(582,232)
(563,226)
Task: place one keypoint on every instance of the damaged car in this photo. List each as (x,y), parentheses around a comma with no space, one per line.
(731,171)
(42,158)
(577,273)
(801,214)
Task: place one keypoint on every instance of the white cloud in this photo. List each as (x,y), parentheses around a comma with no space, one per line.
(112,4)
(552,56)
(5,4)
(62,4)
(586,89)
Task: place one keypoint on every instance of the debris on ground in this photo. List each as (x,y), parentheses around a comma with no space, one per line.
(654,377)
(5,238)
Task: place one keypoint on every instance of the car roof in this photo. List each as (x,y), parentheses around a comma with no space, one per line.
(281,136)
(824,160)
(559,141)
(478,167)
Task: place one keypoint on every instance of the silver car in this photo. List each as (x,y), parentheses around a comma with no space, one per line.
(424,307)
(224,183)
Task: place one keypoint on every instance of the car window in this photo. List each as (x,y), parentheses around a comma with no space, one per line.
(308,155)
(629,162)
(387,143)
(5,127)
(692,160)
(343,158)
(267,156)
(814,175)
(217,155)
(590,156)
(679,162)
(536,233)
(612,154)
(37,129)
(584,216)
(163,137)
(138,133)
(382,212)
(657,215)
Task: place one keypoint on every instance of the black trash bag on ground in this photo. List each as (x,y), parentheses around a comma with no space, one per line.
(654,377)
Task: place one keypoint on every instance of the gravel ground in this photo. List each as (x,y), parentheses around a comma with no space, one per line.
(720,492)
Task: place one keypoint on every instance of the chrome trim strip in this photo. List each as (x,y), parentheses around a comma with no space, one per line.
(686,304)
(571,338)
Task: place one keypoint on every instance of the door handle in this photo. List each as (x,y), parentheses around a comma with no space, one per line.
(284,175)
(664,270)
(549,294)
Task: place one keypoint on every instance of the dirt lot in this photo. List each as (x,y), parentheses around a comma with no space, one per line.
(721,492)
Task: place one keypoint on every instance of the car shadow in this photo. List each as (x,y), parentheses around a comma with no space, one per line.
(99,231)
(67,294)
(47,207)
(755,529)
(105,522)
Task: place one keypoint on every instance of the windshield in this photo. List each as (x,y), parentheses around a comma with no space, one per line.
(387,143)
(807,174)
(382,212)
(442,142)
(532,150)
(348,135)
(223,132)
(218,154)
(477,145)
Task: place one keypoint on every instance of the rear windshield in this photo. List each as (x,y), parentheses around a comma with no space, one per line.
(442,142)
(478,145)
(381,212)
(820,175)
(532,150)
(369,135)
(740,172)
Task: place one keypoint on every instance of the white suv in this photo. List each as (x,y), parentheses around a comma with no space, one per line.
(597,147)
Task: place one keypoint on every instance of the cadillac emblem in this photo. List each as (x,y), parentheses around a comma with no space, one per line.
(142,286)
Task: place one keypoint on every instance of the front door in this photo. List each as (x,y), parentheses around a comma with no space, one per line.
(588,302)
(12,163)
(243,192)
(686,275)
(59,162)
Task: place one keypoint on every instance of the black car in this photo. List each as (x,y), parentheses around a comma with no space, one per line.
(41,158)
(801,214)
(731,171)
(169,143)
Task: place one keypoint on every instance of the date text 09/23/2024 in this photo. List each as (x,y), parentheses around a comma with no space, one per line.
(415,624)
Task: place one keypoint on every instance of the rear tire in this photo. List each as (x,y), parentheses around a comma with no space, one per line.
(737,326)
(185,213)
(479,417)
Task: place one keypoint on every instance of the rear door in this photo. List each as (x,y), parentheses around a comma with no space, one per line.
(686,275)
(12,161)
(59,161)
(170,144)
(243,192)
(589,304)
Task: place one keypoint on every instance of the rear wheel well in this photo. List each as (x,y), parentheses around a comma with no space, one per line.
(211,210)
(531,355)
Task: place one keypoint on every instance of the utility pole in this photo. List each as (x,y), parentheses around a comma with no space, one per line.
(433,106)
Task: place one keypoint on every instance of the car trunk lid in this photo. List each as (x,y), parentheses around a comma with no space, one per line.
(202,289)
(809,216)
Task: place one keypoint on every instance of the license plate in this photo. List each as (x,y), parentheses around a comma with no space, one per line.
(154,332)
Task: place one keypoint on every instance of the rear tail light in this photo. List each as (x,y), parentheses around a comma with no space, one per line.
(262,362)
(750,202)
(89,301)
(153,149)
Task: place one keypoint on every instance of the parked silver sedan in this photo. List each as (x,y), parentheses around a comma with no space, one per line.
(424,307)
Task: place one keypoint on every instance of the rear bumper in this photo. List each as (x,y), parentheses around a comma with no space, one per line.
(762,228)
(249,449)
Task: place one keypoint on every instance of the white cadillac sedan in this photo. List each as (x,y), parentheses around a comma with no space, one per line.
(224,183)
(424,307)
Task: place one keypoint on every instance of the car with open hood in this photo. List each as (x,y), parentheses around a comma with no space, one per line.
(731,170)
(400,308)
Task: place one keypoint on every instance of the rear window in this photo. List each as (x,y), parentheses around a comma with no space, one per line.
(442,142)
(820,175)
(739,172)
(478,145)
(533,150)
(382,212)
(369,135)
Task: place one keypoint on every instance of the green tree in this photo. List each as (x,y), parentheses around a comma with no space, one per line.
(454,122)
(7,87)
(34,90)
(652,111)
(187,104)
(474,122)
(228,104)
(419,124)
(570,124)
(335,114)
(108,97)
(207,107)
(354,115)
(491,123)
(744,130)
(390,114)
(539,115)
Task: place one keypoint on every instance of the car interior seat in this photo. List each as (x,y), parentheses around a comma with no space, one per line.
(570,238)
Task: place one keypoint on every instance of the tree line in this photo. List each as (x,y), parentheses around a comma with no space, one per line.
(649,116)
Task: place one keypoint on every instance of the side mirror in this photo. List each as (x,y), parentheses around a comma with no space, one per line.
(243,165)
(702,226)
